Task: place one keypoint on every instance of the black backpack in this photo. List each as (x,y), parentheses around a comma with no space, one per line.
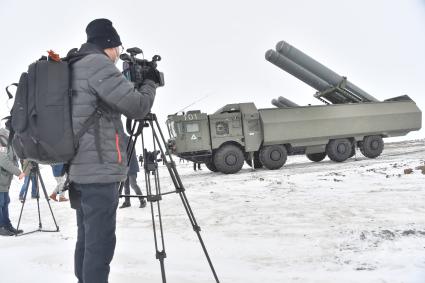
(41,122)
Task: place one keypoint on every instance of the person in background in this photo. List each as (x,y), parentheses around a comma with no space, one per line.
(132,178)
(59,174)
(28,168)
(196,164)
(8,167)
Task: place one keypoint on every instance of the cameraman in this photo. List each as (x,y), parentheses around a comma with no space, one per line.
(101,161)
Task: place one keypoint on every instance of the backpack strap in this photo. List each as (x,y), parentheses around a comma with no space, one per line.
(95,116)
(105,110)
(94,119)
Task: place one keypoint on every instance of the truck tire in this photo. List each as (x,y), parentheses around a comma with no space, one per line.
(257,162)
(316,157)
(228,159)
(339,150)
(372,146)
(210,165)
(273,156)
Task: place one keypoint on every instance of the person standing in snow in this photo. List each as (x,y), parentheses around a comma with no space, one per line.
(8,167)
(28,168)
(132,178)
(100,90)
(196,165)
(58,171)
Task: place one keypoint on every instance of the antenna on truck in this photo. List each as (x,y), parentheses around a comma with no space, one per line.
(193,103)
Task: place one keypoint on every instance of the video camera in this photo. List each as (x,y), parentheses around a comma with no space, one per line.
(135,69)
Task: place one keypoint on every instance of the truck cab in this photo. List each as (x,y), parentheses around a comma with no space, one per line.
(189,135)
(196,136)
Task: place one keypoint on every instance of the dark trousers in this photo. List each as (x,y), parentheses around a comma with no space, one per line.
(196,164)
(131,181)
(96,221)
(33,186)
(4,209)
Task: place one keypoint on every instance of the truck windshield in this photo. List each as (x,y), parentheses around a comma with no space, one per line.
(171,128)
(176,128)
(191,127)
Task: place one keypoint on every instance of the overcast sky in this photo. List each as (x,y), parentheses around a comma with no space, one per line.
(215,49)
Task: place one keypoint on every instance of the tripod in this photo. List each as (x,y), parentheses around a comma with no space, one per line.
(35,174)
(153,193)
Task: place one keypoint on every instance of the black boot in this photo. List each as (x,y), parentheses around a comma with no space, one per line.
(142,203)
(125,204)
(5,232)
(14,230)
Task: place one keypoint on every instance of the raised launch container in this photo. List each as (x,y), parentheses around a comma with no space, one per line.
(350,119)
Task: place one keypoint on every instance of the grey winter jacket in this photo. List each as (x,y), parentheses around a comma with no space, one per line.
(8,167)
(95,77)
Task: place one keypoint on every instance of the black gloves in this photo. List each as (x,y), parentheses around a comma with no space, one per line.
(153,74)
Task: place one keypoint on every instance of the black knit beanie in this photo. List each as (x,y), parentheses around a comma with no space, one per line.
(103,34)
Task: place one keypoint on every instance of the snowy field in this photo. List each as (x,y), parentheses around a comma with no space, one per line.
(358,221)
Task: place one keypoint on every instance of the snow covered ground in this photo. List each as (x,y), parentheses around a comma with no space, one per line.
(358,221)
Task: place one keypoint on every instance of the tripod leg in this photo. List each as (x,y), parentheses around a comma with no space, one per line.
(24,199)
(46,197)
(131,145)
(154,198)
(160,255)
(181,191)
(37,187)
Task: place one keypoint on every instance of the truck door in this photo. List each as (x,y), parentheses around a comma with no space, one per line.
(252,131)
(226,127)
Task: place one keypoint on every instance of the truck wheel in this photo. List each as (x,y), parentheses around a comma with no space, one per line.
(372,146)
(339,150)
(210,165)
(228,159)
(316,157)
(273,156)
(257,162)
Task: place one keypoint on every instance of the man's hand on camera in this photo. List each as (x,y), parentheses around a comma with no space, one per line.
(153,75)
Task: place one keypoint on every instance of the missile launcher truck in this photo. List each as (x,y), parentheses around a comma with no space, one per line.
(350,118)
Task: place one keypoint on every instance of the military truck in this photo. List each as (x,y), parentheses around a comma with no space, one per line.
(350,118)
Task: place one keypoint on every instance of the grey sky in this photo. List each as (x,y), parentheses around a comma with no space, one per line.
(216,48)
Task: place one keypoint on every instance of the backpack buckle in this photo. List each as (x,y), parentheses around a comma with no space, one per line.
(99,113)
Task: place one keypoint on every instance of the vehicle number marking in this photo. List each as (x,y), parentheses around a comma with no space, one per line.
(190,117)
